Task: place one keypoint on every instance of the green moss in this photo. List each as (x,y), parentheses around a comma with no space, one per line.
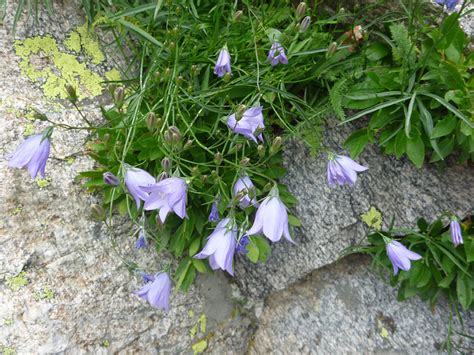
(17,282)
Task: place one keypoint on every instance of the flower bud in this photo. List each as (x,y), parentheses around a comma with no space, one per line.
(227,77)
(238,15)
(166,164)
(150,121)
(71,93)
(97,212)
(167,137)
(157,75)
(331,49)
(188,144)
(300,10)
(118,97)
(162,176)
(204,179)
(195,171)
(304,25)
(110,179)
(240,112)
(276,145)
(261,150)
(218,158)
(179,80)
(245,161)
(194,70)
(106,137)
(174,135)
(167,72)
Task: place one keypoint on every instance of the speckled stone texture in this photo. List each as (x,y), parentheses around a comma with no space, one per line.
(345,308)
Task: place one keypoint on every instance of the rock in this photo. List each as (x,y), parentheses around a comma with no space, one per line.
(346,308)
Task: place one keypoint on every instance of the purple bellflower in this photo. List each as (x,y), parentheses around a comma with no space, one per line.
(157,290)
(135,179)
(277,54)
(271,219)
(220,246)
(141,241)
(343,170)
(248,124)
(241,247)
(167,195)
(32,153)
(456,235)
(214,215)
(245,185)
(450,4)
(400,256)
(111,179)
(223,63)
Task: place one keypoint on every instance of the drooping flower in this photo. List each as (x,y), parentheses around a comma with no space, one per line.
(167,195)
(271,219)
(214,215)
(141,241)
(277,54)
(241,247)
(456,234)
(248,124)
(223,63)
(135,179)
(343,170)
(244,187)
(450,4)
(220,246)
(157,290)
(32,153)
(110,179)
(400,256)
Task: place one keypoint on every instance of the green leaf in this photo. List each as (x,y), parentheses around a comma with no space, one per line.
(375,108)
(444,283)
(264,250)
(194,247)
(464,291)
(408,115)
(356,142)
(444,127)
(416,151)
(253,251)
(181,271)
(450,108)
(294,221)
(377,51)
(199,265)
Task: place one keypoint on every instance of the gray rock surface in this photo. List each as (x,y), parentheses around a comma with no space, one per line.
(346,308)
(77,295)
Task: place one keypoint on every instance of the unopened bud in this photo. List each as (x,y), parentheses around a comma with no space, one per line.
(164,175)
(166,164)
(179,80)
(245,161)
(195,171)
(118,97)
(240,112)
(175,134)
(276,145)
(204,179)
(300,10)
(106,137)
(261,150)
(238,15)
(331,49)
(110,179)
(188,144)
(167,137)
(304,25)
(167,72)
(40,116)
(178,10)
(194,70)
(150,121)
(218,158)
(267,187)
(71,93)
(227,77)
(97,212)
(157,75)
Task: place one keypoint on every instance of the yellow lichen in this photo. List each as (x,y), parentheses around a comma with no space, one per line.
(17,282)
(42,60)
(42,183)
(113,75)
(29,129)
(200,346)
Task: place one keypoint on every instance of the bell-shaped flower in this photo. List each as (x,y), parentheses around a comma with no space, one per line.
(223,63)
(450,4)
(244,190)
(214,215)
(249,125)
(135,179)
(456,234)
(32,153)
(110,179)
(277,54)
(141,241)
(157,290)
(271,219)
(220,246)
(343,170)
(400,256)
(241,246)
(167,195)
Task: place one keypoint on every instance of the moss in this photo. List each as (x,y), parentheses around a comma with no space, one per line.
(17,282)
(42,60)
